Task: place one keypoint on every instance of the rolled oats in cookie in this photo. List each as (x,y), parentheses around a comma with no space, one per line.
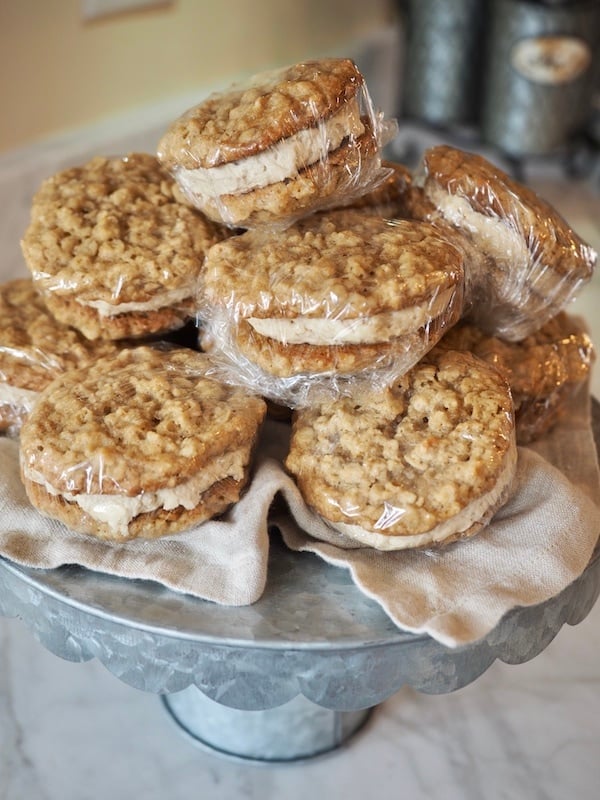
(280,145)
(423,463)
(34,349)
(142,444)
(389,198)
(535,263)
(337,298)
(115,250)
(545,371)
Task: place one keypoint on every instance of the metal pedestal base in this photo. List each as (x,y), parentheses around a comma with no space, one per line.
(294,731)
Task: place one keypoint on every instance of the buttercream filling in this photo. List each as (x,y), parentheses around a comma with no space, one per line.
(498,238)
(361,330)
(280,162)
(474,512)
(117,510)
(163,300)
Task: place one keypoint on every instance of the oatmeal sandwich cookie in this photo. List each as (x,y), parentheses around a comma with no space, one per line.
(114,249)
(278,146)
(341,293)
(139,445)
(544,371)
(534,262)
(425,462)
(388,199)
(34,349)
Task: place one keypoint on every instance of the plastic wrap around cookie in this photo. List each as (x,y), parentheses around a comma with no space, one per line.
(545,371)
(114,249)
(425,462)
(34,349)
(531,264)
(139,445)
(337,300)
(280,145)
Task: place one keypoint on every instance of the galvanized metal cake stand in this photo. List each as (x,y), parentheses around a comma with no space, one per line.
(293,676)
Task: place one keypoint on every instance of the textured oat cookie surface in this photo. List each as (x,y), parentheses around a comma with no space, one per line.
(542,370)
(388,198)
(253,116)
(337,265)
(115,230)
(34,347)
(145,419)
(401,461)
(492,193)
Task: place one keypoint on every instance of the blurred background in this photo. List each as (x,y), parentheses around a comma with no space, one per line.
(519,75)
(516,80)
(72,63)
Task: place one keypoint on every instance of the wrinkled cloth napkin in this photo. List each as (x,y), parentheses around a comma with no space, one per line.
(535,546)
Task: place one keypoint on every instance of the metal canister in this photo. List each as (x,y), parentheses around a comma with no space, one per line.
(440,82)
(540,72)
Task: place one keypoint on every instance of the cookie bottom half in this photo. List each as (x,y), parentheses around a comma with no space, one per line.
(150,525)
(472,519)
(286,360)
(131,325)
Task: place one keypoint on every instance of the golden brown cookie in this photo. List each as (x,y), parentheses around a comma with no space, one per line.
(535,263)
(139,445)
(544,370)
(34,349)
(413,204)
(114,249)
(335,294)
(280,145)
(425,462)
(389,198)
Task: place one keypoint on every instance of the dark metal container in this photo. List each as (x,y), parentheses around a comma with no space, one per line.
(443,52)
(541,68)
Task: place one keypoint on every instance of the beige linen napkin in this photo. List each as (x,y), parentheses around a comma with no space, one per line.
(535,546)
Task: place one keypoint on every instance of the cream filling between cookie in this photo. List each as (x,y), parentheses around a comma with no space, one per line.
(472,513)
(280,162)
(498,238)
(361,330)
(23,399)
(163,300)
(117,510)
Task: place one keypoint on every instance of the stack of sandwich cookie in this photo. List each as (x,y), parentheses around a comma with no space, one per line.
(114,249)
(338,295)
(278,146)
(139,445)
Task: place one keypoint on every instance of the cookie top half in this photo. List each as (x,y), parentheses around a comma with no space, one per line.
(342,264)
(34,347)
(492,193)
(252,116)
(146,419)
(115,230)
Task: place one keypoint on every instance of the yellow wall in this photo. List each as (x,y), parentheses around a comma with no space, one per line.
(60,72)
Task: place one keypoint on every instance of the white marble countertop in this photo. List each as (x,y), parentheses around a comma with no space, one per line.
(74,731)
